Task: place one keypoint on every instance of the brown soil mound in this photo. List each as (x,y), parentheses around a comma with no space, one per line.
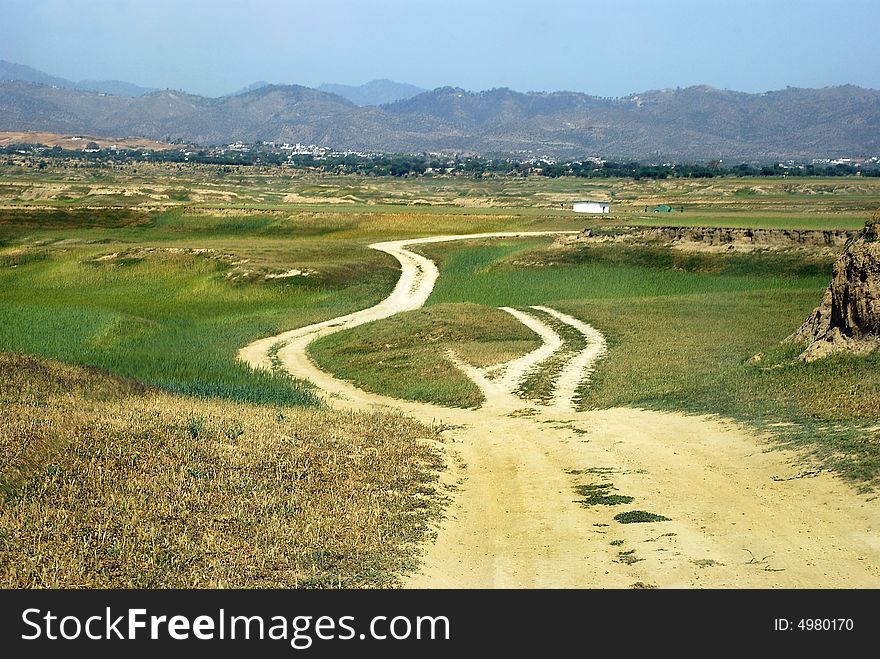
(849,316)
(717,239)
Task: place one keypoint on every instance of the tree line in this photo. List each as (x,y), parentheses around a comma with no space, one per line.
(402,165)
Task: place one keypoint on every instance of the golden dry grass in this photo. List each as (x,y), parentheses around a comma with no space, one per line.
(106,483)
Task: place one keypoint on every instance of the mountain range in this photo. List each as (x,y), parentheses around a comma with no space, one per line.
(694,123)
(13,71)
(375,92)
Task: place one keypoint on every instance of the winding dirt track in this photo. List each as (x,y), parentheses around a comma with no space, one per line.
(740,514)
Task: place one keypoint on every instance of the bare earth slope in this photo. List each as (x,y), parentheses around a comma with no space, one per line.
(849,317)
(739,514)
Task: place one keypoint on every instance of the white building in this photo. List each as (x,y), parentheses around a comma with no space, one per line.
(592,207)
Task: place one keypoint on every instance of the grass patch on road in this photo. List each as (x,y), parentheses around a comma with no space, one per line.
(405,356)
(540,382)
(639,517)
(106,483)
(600,495)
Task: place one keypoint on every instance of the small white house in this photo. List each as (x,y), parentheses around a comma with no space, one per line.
(592,207)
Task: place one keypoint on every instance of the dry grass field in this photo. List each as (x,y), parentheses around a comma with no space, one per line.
(74,142)
(106,483)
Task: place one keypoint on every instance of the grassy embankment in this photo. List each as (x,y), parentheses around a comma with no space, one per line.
(106,483)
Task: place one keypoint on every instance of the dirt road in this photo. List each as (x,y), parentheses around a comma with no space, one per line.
(739,513)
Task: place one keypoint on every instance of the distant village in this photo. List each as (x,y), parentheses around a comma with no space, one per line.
(320,158)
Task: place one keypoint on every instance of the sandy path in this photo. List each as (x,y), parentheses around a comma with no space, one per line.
(581,366)
(739,515)
(500,382)
(417,278)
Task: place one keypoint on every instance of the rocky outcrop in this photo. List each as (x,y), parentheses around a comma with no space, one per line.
(849,316)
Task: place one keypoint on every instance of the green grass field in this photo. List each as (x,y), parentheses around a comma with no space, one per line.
(390,356)
(484,274)
(682,327)
(237,478)
(164,314)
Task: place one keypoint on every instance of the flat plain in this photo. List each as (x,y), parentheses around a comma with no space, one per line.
(139,285)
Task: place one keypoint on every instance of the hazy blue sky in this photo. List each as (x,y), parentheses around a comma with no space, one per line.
(603,47)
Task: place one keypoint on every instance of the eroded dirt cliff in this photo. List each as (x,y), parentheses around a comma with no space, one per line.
(849,316)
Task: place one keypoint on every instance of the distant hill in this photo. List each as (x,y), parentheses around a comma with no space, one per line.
(693,123)
(115,87)
(13,71)
(251,87)
(268,113)
(696,123)
(375,92)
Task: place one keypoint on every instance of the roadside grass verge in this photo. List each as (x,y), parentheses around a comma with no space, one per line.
(486,275)
(107,483)
(405,356)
